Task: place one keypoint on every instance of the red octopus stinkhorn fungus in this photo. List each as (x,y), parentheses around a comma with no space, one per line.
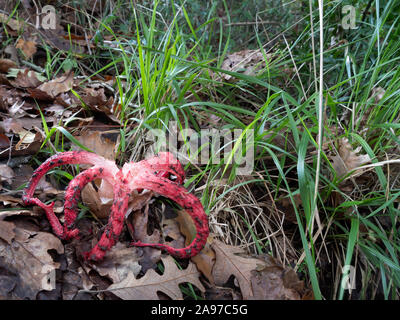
(148,174)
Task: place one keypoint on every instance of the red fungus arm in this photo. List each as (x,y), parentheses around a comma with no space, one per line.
(73,193)
(188,202)
(114,226)
(70,157)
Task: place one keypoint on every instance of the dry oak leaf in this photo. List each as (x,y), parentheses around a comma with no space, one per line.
(229,262)
(27,256)
(348,159)
(168,283)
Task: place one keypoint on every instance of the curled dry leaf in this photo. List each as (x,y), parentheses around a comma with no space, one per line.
(146,288)
(348,159)
(100,201)
(10,200)
(26,254)
(28,143)
(99,205)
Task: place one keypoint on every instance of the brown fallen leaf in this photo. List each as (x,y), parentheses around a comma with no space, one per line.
(29,142)
(18,212)
(7,285)
(72,282)
(38,94)
(12,23)
(205,261)
(275,283)
(220,293)
(22,175)
(348,159)
(186,225)
(286,208)
(168,283)
(25,78)
(6,64)
(100,206)
(6,173)
(103,143)
(97,100)
(27,47)
(56,86)
(7,231)
(171,232)
(56,39)
(259,278)
(119,262)
(27,256)
(229,262)
(24,149)
(4,141)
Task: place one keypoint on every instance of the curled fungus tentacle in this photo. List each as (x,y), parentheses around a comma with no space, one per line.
(148,174)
